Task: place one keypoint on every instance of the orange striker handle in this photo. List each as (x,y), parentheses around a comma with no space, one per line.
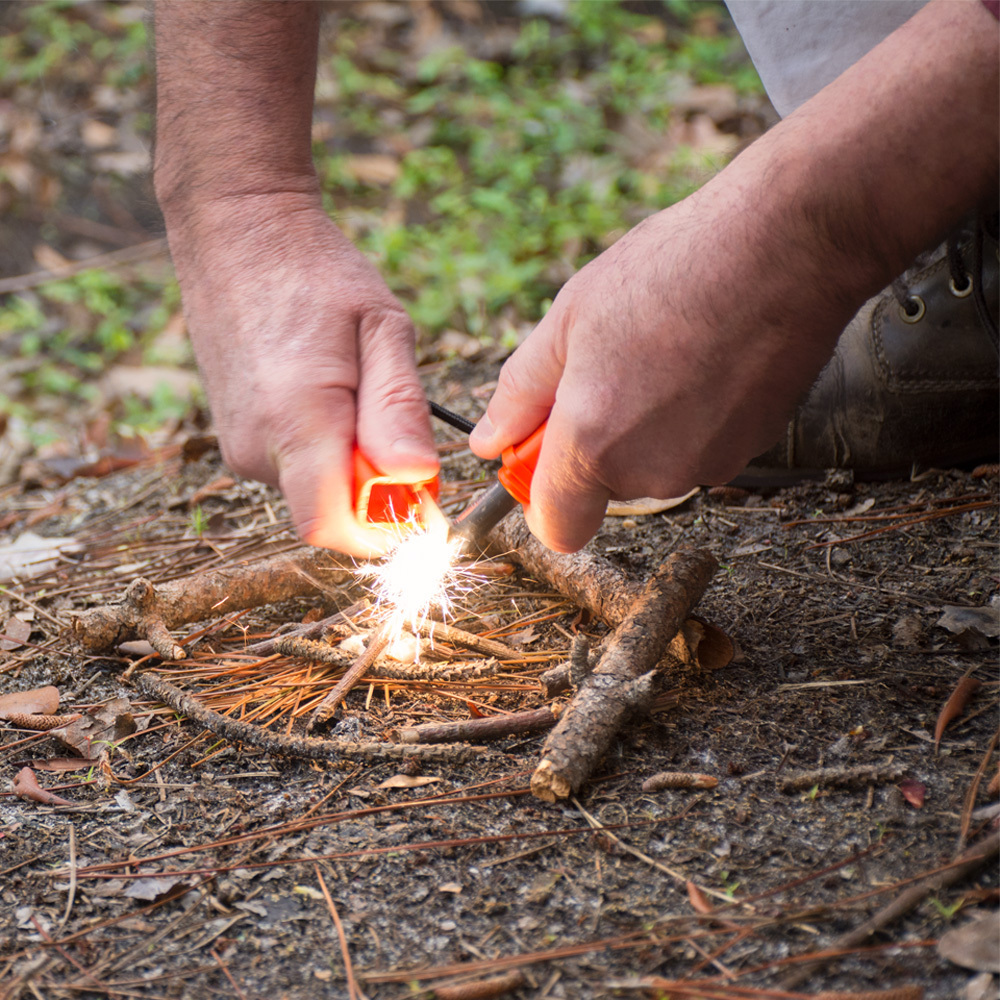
(380,499)
(519,461)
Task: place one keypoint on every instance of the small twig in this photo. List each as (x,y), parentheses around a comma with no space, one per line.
(225,971)
(493,728)
(469,640)
(377,641)
(352,983)
(970,795)
(840,777)
(971,861)
(286,746)
(71,895)
(314,630)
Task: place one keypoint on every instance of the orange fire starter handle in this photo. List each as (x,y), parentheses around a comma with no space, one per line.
(519,463)
(380,499)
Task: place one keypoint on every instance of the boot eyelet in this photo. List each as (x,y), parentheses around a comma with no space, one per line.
(961,293)
(913,311)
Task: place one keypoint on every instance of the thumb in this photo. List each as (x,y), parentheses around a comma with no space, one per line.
(525,392)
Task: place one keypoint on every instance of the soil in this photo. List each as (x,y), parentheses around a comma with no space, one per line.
(222,855)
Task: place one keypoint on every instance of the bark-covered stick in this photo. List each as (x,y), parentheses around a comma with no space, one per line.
(238,731)
(493,728)
(587,579)
(147,612)
(587,727)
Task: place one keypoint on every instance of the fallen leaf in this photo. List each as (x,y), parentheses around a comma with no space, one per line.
(914,792)
(15,633)
(646,505)
(98,729)
(155,888)
(974,944)
(955,705)
(31,555)
(26,786)
(407,781)
(37,701)
(985,619)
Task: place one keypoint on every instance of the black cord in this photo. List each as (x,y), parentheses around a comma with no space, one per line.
(449,417)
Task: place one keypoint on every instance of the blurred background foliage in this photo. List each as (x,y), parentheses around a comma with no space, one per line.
(480,152)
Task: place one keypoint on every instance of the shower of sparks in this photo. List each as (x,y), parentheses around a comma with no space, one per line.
(419,574)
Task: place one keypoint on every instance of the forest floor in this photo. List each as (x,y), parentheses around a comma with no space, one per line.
(191,866)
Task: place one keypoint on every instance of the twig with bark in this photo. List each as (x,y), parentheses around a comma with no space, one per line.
(978,856)
(624,678)
(841,777)
(286,746)
(148,612)
(493,728)
(377,641)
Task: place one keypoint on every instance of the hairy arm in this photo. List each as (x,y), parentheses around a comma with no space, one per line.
(302,348)
(679,353)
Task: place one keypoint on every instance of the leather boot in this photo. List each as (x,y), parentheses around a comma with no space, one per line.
(914,380)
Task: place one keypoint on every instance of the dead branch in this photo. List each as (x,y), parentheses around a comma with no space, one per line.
(983,853)
(587,579)
(841,777)
(148,612)
(623,679)
(285,746)
(492,728)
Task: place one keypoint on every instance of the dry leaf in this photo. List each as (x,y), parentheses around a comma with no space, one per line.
(450,887)
(26,786)
(15,633)
(98,729)
(955,705)
(155,888)
(645,505)
(914,792)
(407,781)
(985,620)
(31,555)
(38,701)
(975,945)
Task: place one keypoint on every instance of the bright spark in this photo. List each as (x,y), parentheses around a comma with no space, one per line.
(418,574)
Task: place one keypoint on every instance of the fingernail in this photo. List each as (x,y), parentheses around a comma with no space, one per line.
(414,448)
(483,431)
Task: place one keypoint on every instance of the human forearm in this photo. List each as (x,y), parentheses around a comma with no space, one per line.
(235,87)
(883,162)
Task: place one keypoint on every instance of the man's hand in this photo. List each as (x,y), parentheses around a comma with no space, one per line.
(679,353)
(303,349)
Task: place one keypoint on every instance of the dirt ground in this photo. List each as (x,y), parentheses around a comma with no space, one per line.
(219,856)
